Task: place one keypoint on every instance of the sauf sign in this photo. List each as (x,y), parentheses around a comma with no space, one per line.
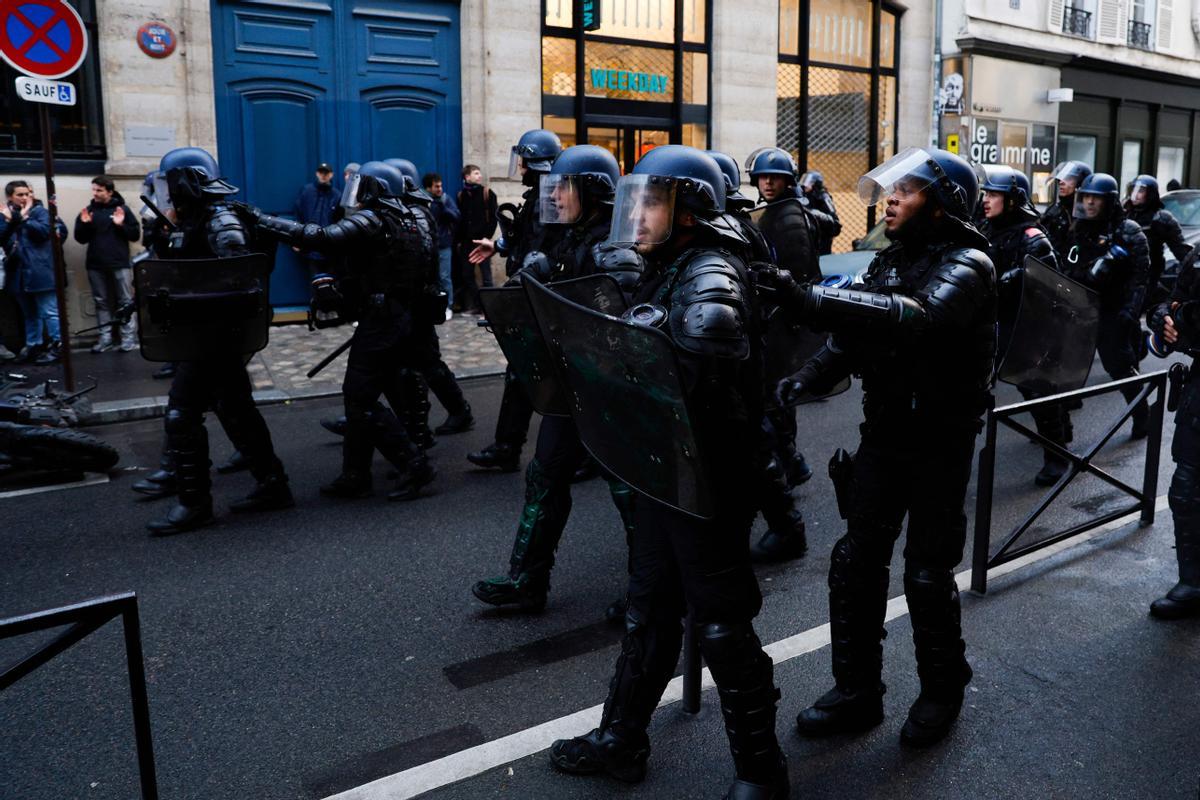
(58,93)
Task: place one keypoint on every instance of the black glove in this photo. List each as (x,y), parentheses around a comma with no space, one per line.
(325,308)
(537,265)
(790,389)
(246,210)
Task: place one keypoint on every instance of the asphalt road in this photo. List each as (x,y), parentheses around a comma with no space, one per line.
(303,653)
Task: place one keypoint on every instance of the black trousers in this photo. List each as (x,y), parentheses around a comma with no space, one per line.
(220,382)
(383,343)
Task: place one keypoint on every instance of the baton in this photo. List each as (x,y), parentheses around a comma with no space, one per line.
(161,216)
(327,360)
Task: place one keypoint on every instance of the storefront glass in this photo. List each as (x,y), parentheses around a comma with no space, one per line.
(629,96)
(835,110)
(1170,166)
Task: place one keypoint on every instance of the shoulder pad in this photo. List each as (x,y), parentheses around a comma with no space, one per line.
(1033,233)
(709,314)
(970,257)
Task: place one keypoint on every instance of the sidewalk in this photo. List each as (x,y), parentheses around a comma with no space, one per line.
(126,391)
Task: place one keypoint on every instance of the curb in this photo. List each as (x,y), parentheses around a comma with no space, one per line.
(109,412)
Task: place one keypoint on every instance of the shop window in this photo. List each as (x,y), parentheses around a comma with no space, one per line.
(1170,166)
(627,72)
(645,20)
(563,126)
(1131,161)
(558,66)
(1041,156)
(695,135)
(838,120)
(695,13)
(695,78)
(78,130)
(839,32)
(789,27)
(887,118)
(887,40)
(1072,147)
(559,13)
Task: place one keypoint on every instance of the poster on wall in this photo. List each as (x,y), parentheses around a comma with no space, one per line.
(951,94)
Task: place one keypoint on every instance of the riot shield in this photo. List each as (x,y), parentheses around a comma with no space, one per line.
(510,319)
(1053,340)
(190,309)
(627,399)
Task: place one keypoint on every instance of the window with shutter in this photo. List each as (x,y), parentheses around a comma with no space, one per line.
(1054,21)
(1112,20)
(1166,14)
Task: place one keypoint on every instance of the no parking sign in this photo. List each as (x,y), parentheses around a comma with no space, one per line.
(42,38)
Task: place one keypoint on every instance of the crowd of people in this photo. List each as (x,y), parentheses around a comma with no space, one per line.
(735,285)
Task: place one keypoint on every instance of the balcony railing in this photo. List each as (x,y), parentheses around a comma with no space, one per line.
(1077,22)
(1139,35)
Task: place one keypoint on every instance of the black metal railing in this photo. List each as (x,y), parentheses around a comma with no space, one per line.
(84,619)
(1139,35)
(1077,22)
(1153,383)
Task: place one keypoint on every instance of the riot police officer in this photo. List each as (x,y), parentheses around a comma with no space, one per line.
(576,196)
(812,183)
(1110,254)
(920,331)
(1145,207)
(532,157)
(1010,224)
(1057,218)
(1175,324)
(388,256)
(429,370)
(207,226)
(700,294)
(790,224)
(785,537)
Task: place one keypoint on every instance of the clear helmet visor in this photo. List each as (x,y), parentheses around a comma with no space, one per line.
(1091,206)
(350,193)
(161,193)
(560,199)
(643,210)
(1139,193)
(514,165)
(905,172)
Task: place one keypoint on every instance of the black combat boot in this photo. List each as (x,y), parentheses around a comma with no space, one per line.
(620,746)
(409,398)
(784,540)
(459,421)
(798,471)
(270,494)
(335,425)
(419,474)
(1054,467)
(161,482)
(1184,598)
(504,457)
(587,469)
(1141,419)
(942,666)
(354,482)
(543,518)
(235,463)
(745,683)
(187,439)
(857,604)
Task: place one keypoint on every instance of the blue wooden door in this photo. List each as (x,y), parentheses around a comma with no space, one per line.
(299,83)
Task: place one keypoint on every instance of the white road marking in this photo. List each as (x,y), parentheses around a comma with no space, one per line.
(92,481)
(489,755)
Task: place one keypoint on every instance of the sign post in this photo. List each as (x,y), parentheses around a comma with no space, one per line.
(46,40)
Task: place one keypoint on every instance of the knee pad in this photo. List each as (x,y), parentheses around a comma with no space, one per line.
(1184,494)
(182,420)
(722,642)
(929,582)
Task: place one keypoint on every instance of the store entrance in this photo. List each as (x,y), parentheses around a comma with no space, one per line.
(627,143)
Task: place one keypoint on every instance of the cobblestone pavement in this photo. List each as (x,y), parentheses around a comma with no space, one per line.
(467,349)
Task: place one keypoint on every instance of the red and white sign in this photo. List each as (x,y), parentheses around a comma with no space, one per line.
(42,38)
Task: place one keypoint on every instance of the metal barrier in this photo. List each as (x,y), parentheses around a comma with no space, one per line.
(983,560)
(84,619)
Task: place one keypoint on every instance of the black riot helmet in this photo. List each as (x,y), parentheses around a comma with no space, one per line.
(375,183)
(1071,173)
(412,179)
(734,199)
(188,175)
(1144,192)
(950,181)
(812,181)
(666,178)
(1104,186)
(536,150)
(583,178)
(772,161)
(1007,181)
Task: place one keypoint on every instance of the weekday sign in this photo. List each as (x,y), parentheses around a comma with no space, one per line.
(35,90)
